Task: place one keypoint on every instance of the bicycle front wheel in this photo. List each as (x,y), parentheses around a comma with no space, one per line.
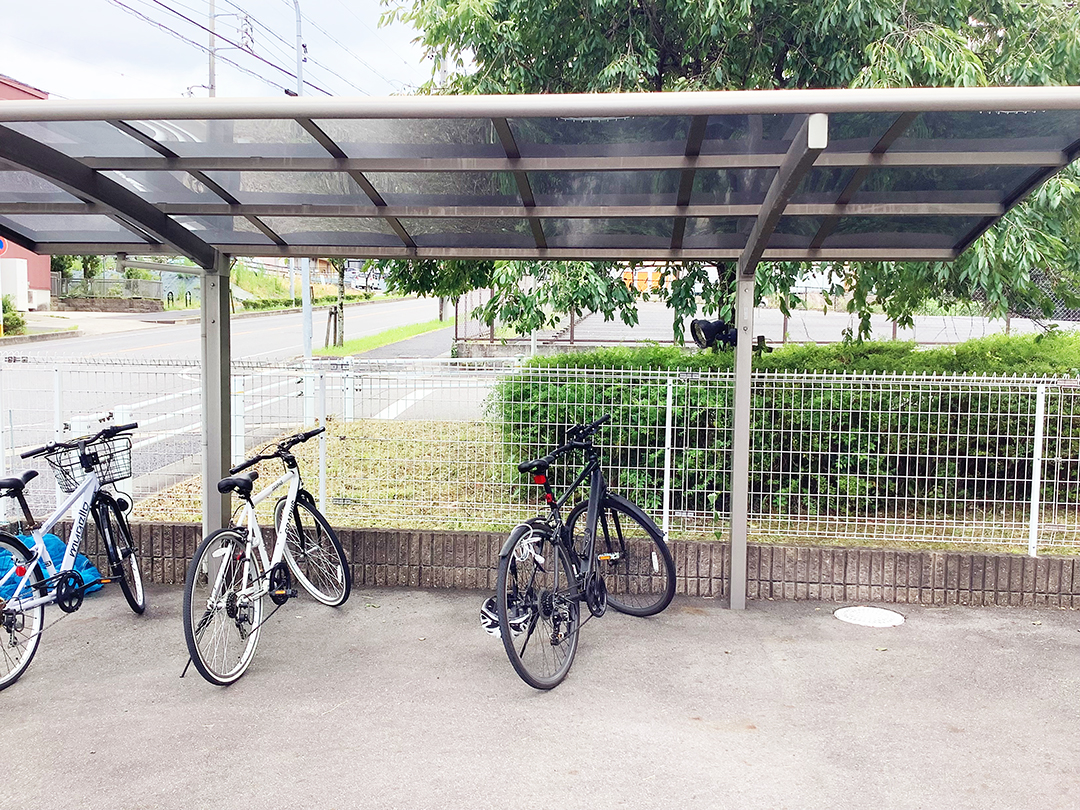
(222,607)
(314,554)
(631,556)
(20,630)
(121,551)
(538,610)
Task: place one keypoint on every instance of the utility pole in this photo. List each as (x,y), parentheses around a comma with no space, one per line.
(212,83)
(305,264)
(299,52)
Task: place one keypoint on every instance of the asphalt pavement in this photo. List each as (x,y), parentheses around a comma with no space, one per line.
(399,700)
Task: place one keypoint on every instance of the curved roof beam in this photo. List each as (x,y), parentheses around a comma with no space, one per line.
(88,184)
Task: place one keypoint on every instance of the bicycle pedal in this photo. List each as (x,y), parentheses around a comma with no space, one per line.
(287,593)
(607,557)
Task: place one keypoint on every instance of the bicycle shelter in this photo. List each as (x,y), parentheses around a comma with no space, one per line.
(743,177)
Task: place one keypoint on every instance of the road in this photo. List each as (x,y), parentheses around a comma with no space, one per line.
(148,373)
(261,337)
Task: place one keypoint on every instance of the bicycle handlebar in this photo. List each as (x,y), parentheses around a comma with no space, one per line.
(104,433)
(283,448)
(580,438)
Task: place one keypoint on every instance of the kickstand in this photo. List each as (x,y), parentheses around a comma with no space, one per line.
(188,664)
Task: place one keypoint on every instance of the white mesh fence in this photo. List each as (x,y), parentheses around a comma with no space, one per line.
(858,459)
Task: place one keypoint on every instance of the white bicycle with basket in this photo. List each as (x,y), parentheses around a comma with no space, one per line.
(30,578)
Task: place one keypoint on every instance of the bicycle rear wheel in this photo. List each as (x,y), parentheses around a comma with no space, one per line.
(632,557)
(20,630)
(314,554)
(121,551)
(538,613)
(222,607)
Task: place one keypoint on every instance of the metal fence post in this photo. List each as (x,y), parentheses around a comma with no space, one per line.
(348,393)
(309,392)
(322,441)
(668,419)
(238,416)
(1036,469)
(123,415)
(58,425)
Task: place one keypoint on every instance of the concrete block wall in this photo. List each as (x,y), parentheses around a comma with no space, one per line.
(468,560)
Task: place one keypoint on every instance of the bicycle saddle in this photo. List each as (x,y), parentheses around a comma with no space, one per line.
(18,482)
(537,466)
(243,483)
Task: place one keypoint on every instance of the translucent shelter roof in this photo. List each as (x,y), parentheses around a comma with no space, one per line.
(913,174)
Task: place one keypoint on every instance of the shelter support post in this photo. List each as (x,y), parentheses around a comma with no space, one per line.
(740,449)
(217,402)
(810,140)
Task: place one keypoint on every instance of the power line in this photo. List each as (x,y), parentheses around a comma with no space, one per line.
(344,48)
(193,43)
(359,19)
(238,47)
(310,59)
(235,45)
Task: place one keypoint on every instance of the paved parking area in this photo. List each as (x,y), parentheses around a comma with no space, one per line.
(398,700)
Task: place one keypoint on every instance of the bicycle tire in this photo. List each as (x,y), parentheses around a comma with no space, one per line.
(120,550)
(539,614)
(221,645)
(640,578)
(20,631)
(314,554)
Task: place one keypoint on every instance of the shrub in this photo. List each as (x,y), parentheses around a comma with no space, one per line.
(14,323)
(819,445)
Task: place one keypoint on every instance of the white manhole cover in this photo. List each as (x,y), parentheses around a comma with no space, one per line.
(869,616)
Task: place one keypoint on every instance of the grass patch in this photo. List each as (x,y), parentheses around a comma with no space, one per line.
(364,344)
(432,475)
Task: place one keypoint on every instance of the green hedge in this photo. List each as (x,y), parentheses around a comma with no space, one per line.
(820,446)
(1052,353)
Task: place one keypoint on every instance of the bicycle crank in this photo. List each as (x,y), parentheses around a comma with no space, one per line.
(281,589)
(69,591)
(596,596)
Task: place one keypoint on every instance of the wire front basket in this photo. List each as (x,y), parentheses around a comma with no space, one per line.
(109,458)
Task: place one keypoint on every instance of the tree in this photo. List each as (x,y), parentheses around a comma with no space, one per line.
(64,265)
(91,266)
(339,319)
(449,279)
(556,46)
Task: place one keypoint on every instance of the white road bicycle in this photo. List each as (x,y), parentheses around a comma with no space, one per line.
(29,577)
(231,571)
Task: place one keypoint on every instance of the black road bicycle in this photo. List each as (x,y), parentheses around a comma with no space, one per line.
(607,552)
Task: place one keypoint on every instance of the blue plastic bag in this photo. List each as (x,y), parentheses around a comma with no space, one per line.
(56,547)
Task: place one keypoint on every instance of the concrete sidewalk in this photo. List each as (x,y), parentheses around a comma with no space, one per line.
(398,700)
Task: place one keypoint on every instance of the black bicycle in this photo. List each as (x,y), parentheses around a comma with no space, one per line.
(607,552)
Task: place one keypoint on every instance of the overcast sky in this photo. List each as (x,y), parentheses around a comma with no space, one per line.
(145,49)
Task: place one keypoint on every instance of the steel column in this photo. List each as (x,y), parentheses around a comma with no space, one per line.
(740,448)
(216,398)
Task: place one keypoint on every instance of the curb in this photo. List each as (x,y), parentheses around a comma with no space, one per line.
(38,338)
(187,321)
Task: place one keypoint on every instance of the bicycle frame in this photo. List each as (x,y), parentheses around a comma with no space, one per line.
(597,488)
(250,523)
(78,503)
